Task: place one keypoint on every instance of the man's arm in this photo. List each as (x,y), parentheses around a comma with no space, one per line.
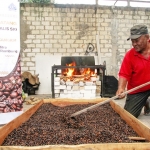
(121,86)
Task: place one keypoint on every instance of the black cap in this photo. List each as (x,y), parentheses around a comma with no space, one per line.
(137,31)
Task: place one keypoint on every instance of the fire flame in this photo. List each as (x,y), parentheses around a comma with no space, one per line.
(81,71)
(70,71)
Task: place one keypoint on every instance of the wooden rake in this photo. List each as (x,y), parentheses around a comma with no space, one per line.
(108,100)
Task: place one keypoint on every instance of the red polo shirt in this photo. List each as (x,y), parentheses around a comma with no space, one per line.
(136,69)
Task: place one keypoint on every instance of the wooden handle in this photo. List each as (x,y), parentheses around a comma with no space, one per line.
(137,138)
(108,100)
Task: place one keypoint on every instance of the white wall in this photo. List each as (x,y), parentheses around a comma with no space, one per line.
(43,68)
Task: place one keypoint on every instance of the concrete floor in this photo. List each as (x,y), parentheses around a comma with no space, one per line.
(144,119)
(42,96)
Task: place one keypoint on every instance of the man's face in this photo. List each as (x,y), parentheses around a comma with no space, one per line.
(140,43)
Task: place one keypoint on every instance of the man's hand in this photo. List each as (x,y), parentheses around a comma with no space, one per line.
(121,87)
(119,93)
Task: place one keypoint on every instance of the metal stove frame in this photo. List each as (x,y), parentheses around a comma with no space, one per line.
(99,68)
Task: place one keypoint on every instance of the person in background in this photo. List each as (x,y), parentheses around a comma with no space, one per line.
(135,70)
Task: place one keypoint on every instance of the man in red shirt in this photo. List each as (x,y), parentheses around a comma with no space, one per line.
(135,70)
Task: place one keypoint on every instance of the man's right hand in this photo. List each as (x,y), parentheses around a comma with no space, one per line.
(121,87)
(119,93)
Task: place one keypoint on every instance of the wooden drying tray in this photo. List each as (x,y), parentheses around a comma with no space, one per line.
(142,130)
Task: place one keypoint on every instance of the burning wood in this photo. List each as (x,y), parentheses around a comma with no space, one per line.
(77,78)
(78,72)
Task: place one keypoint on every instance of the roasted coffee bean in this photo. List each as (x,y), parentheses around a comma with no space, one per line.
(18,69)
(1,94)
(6,93)
(6,90)
(8,98)
(18,105)
(6,109)
(1,84)
(12,110)
(12,79)
(13,106)
(19,91)
(17,74)
(20,101)
(8,102)
(2,89)
(14,94)
(15,101)
(8,86)
(2,104)
(2,98)
(6,80)
(19,82)
(19,97)
(18,108)
(1,109)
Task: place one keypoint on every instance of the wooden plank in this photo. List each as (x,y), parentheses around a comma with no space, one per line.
(66,102)
(137,138)
(62,100)
(6,129)
(105,146)
(141,129)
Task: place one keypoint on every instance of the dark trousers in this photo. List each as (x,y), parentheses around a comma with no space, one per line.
(135,102)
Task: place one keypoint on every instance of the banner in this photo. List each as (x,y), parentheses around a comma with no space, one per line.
(11,103)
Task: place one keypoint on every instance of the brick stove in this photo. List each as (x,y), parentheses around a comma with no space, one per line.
(78,77)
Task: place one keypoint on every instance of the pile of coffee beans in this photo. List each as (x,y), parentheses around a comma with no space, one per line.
(11,91)
(51,125)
